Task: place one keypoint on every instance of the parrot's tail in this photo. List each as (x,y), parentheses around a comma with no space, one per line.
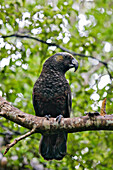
(53,146)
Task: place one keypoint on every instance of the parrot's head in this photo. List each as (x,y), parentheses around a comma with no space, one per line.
(61,62)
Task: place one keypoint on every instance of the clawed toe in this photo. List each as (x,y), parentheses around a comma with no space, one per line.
(92,114)
(58,118)
(47,116)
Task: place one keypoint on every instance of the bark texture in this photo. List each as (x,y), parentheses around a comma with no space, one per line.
(42,125)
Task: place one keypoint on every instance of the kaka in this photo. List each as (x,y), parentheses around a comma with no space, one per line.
(52,97)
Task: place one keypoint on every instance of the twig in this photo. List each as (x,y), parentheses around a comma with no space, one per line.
(58,46)
(9,130)
(52,44)
(18,139)
(103,108)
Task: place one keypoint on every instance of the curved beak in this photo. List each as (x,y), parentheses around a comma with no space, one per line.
(74,64)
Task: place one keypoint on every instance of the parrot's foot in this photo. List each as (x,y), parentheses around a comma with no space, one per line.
(90,114)
(58,118)
(47,116)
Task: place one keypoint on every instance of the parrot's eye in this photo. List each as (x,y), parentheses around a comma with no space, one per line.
(65,56)
(68,57)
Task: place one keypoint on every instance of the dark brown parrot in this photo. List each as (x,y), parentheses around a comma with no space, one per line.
(52,97)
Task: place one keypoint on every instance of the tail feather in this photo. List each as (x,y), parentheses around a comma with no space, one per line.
(53,146)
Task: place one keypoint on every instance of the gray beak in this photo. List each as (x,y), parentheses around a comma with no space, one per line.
(74,64)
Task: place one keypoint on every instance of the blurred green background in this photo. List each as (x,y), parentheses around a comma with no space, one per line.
(82,26)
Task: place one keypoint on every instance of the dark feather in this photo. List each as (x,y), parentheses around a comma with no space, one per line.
(52,96)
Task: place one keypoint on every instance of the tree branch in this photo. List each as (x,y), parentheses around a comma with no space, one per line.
(18,139)
(42,125)
(58,46)
(52,44)
(9,130)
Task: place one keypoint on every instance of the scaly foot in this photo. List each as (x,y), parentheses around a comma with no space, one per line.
(47,116)
(90,114)
(58,118)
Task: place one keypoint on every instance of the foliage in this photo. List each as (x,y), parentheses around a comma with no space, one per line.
(80,26)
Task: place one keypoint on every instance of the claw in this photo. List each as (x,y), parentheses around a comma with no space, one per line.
(96,113)
(47,116)
(92,114)
(58,118)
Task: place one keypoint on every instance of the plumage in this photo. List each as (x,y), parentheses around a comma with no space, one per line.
(52,96)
